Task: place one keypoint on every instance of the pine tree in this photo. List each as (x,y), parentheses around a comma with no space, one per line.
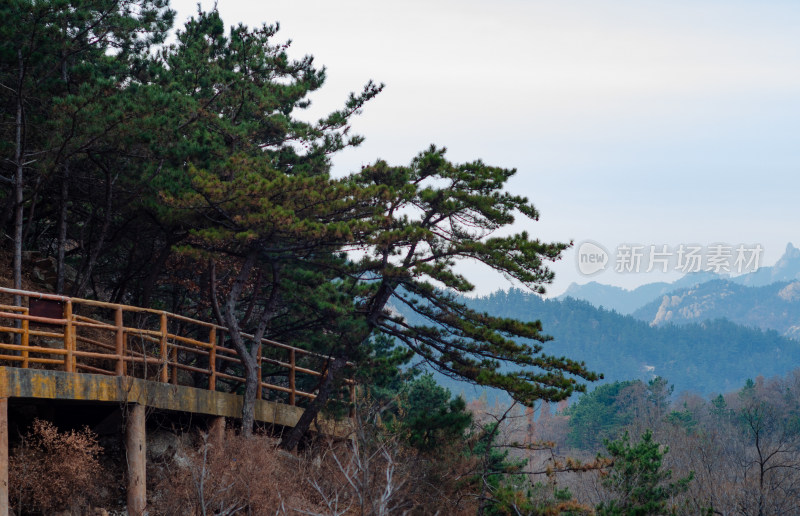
(256,191)
(641,486)
(429,216)
(64,66)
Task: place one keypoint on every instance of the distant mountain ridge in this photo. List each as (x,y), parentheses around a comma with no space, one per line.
(628,301)
(775,306)
(786,269)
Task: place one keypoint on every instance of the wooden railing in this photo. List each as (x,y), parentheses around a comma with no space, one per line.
(81,335)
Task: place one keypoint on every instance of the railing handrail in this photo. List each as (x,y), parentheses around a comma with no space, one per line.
(168,343)
(154,311)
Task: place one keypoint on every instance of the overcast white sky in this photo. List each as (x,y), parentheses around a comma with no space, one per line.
(650,122)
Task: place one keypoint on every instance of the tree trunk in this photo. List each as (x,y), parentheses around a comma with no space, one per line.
(63,211)
(86,273)
(249,361)
(249,403)
(292,439)
(32,210)
(18,184)
(62,230)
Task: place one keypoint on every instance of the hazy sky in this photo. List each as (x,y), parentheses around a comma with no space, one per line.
(649,122)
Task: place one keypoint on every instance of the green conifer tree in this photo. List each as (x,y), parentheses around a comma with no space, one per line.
(637,479)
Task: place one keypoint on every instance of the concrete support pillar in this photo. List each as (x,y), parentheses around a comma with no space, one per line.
(135,447)
(4,457)
(216,430)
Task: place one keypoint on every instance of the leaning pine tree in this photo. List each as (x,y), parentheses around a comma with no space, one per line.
(428,217)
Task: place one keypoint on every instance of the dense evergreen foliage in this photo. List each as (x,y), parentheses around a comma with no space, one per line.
(427,416)
(598,416)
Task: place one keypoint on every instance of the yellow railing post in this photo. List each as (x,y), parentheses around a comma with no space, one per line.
(164,360)
(119,341)
(212,359)
(69,338)
(292,394)
(25,341)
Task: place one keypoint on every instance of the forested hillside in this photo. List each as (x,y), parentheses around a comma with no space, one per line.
(622,347)
(739,448)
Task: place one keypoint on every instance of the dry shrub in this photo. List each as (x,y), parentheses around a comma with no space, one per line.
(359,478)
(51,470)
(238,476)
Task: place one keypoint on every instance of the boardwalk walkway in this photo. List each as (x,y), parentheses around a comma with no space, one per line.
(63,348)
